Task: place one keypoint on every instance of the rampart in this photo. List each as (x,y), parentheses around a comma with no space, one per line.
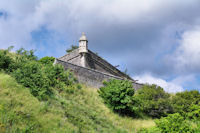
(91,77)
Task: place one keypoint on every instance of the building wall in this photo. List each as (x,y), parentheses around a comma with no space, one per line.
(92,61)
(91,77)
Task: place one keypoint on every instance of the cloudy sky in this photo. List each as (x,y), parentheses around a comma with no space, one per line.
(157,41)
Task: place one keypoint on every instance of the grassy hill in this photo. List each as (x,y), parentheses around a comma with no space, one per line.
(77,109)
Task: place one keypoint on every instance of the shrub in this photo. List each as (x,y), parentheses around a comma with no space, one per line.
(183,100)
(5,60)
(154,101)
(118,95)
(194,112)
(59,76)
(41,78)
(29,55)
(174,123)
(32,76)
(47,60)
(21,57)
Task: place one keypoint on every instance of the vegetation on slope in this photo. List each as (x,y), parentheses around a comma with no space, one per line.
(72,110)
(180,112)
(37,96)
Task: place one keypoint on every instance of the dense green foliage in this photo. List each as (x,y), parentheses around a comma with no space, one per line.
(39,76)
(5,60)
(184,100)
(194,112)
(73,47)
(154,101)
(118,95)
(174,123)
(47,60)
(151,100)
(32,76)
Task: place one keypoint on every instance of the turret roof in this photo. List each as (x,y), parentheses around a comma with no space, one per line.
(83,37)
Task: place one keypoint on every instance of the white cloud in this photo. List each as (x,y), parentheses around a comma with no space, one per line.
(187,54)
(171,87)
(68,16)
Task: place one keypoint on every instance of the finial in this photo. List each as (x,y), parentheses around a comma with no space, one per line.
(83,37)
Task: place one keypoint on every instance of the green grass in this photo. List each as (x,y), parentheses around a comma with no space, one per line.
(70,110)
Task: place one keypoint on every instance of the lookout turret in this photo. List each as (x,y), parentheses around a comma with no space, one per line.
(83,49)
(83,44)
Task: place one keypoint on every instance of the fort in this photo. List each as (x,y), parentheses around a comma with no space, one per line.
(91,69)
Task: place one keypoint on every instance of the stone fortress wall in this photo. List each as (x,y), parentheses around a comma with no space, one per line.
(91,77)
(92,61)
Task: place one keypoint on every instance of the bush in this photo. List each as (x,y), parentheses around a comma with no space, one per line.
(118,95)
(194,112)
(47,60)
(183,100)
(39,76)
(154,101)
(31,75)
(29,55)
(59,76)
(5,60)
(174,123)
(20,58)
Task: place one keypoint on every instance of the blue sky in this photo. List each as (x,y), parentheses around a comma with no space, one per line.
(157,41)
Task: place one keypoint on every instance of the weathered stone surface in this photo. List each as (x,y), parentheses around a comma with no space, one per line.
(92,61)
(83,44)
(91,77)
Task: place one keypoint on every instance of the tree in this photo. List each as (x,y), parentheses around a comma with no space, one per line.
(47,60)
(73,47)
(154,101)
(5,60)
(118,95)
(182,101)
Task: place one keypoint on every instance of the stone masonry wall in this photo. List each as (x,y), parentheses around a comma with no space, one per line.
(92,61)
(91,77)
